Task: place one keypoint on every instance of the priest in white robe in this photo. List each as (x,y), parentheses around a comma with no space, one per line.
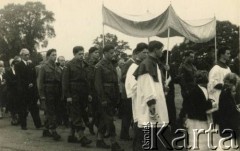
(217,74)
(151,104)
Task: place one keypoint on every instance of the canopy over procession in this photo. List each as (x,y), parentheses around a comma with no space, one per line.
(147,92)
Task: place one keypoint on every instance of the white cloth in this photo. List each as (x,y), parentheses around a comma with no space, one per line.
(1,77)
(148,89)
(13,71)
(216,76)
(131,89)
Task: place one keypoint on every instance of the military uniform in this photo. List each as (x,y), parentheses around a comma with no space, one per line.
(106,84)
(50,89)
(75,86)
(92,106)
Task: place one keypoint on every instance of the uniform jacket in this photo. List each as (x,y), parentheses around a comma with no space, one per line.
(75,78)
(106,81)
(49,73)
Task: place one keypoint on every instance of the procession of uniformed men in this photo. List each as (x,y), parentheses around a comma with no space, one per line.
(90,91)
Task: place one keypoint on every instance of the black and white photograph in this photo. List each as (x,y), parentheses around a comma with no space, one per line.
(119,75)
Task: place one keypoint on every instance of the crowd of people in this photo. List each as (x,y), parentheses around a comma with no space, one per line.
(88,92)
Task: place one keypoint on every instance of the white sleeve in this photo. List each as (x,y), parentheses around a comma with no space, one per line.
(214,78)
(146,87)
(131,83)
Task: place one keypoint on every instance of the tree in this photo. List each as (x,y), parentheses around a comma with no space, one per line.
(113,40)
(227,36)
(25,26)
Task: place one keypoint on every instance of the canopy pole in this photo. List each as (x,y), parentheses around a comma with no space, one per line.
(167,53)
(239,48)
(103,37)
(215,45)
(215,42)
(148,40)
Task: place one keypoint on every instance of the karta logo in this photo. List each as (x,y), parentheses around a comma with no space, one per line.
(154,134)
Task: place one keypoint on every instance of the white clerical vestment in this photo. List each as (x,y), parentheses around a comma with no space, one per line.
(131,89)
(216,76)
(148,89)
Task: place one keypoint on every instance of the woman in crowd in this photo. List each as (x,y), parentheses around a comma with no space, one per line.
(196,106)
(229,112)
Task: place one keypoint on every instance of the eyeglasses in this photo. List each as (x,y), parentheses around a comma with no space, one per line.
(26,54)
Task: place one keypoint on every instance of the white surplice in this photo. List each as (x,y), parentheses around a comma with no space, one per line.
(216,76)
(148,89)
(131,88)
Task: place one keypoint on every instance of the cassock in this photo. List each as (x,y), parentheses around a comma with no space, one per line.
(149,87)
(131,89)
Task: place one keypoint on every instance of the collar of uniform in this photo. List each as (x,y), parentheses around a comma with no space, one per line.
(51,64)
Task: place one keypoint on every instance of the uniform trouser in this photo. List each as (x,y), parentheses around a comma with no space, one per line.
(105,121)
(52,92)
(126,117)
(29,104)
(78,111)
(62,112)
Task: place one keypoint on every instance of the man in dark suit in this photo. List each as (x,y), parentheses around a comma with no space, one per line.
(27,88)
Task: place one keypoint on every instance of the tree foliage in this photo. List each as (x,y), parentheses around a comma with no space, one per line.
(111,39)
(25,26)
(227,36)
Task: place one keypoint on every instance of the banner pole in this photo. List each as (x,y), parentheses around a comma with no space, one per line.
(167,52)
(215,42)
(239,49)
(103,37)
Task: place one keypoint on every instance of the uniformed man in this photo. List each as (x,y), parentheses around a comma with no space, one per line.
(76,90)
(93,59)
(50,92)
(106,84)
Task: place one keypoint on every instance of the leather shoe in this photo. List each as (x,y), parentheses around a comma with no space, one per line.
(102,144)
(72,139)
(85,141)
(116,147)
(56,136)
(46,133)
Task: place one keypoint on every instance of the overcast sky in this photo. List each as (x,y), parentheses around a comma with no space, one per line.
(79,22)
